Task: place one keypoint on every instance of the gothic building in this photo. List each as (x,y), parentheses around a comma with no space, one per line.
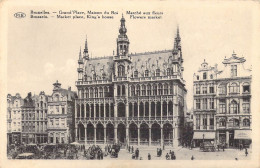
(136,99)
(222,101)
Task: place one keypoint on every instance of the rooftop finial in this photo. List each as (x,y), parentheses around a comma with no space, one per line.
(86,45)
(80,53)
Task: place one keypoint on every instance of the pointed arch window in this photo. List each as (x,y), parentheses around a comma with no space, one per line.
(143,90)
(146,73)
(149,90)
(157,72)
(121,71)
(160,89)
(154,89)
(168,71)
(136,74)
(138,90)
(94,77)
(165,89)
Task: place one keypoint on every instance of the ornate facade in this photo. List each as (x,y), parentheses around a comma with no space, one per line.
(131,98)
(222,103)
(34,119)
(14,118)
(60,114)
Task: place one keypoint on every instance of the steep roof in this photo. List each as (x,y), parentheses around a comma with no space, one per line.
(103,66)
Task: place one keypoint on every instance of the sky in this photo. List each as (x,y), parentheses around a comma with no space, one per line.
(41,51)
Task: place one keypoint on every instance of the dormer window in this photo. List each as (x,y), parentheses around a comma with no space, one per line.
(157,72)
(94,76)
(211,76)
(146,73)
(205,75)
(233,70)
(136,74)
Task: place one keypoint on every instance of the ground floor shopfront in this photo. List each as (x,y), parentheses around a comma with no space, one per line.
(203,136)
(234,138)
(133,134)
(36,138)
(58,136)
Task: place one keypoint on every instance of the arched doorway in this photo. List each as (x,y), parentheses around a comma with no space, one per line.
(121,109)
(100,133)
(110,133)
(133,133)
(90,132)
(156,134)
(81,132)
(121,133)
(167,134)
(144,134)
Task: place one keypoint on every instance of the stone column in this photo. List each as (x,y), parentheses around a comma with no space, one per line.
(227,138)
(149,110)
(85,111)
(127,134)
(76,134)
(201,122)
(167,110)
(150,135)
(105,134)
(138,115)
(208,124)
(95,134)
(115,133)
(127,110)
(138,139)
(175,137)
(161,110)
(95,110)
(80,110)
(115,110)
(104,105)
(161,136)
(85,135)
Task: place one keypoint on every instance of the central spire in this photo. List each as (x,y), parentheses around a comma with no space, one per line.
(122,29)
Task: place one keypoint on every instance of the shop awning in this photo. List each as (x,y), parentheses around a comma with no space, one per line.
(207,135)
(242,134)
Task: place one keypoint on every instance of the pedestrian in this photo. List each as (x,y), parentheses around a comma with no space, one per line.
(192,158)
(132,149)
(149,156)
(246,151)
(167,156)
(218,147)
(174,157)
(223,148)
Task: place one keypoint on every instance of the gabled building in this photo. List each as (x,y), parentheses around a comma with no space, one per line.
(14,118)
(60,115)
(222,103)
